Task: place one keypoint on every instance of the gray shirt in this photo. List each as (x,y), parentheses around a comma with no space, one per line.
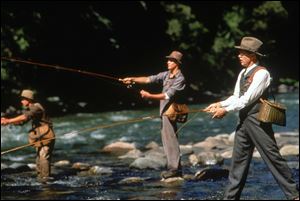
(173,87)
(37,114)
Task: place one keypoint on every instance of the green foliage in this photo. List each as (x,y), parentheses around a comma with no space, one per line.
(4,73)
(206,35)
(19,38)
(265,14)
(289,82)
(183,28)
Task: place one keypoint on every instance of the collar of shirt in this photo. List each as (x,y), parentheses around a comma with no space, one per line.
(171,76)
(250,68)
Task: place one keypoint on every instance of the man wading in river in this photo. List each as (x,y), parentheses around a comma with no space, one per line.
(173,83)
(41,130)
(252,84)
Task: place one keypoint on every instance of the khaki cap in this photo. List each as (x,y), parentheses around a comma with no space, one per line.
(26,93)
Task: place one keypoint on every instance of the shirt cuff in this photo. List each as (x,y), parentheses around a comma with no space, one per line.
(167,97)
(229,108)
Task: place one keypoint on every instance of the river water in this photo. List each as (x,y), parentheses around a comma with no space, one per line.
(85,147)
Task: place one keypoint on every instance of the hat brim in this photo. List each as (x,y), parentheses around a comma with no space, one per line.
(246,49)
(22,97)
(169,57)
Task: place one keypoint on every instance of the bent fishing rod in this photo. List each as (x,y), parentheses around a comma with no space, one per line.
(107,126)
(57,67)
(61,68)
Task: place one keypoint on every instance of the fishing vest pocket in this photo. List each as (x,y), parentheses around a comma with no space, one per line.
(40,135)
(177,112)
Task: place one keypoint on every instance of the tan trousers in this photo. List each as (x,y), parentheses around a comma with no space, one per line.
(43,160)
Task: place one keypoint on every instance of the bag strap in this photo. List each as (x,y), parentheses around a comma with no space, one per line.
(250,79)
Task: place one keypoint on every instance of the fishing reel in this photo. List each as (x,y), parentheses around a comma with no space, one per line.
(129,86)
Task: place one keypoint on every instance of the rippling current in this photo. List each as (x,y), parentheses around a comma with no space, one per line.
(77,146)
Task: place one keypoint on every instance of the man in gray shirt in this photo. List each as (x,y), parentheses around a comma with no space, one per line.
(173,83)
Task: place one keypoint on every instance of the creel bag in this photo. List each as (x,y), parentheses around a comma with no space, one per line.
(272,112)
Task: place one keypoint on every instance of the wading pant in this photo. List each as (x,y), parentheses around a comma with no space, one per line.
(249,134)
(170,143)
(43,160)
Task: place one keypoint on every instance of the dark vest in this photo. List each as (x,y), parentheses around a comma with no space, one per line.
(244,85)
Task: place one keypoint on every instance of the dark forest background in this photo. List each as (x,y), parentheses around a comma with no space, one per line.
(132,39)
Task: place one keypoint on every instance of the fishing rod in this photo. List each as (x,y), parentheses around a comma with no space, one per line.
(61,68)
(97,75)
(107,126)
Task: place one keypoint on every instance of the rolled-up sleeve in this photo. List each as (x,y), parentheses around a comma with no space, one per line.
(33,112)
(176,87)
(159,78)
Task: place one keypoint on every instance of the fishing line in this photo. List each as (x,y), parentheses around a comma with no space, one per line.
(100,127)
(97,75)
(60,68)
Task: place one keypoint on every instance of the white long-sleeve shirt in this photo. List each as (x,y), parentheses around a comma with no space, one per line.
(261,80)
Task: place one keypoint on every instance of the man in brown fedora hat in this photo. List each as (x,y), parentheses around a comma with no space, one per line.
(40,132)
(252,84)
(173,83)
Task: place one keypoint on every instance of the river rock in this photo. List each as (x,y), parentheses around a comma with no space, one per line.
(289,150)
(206,158)
(3,166)
(227,154)
(16,168)
(193,159)
(151,163)
(211,174)
(168,195)
(131,180)
(118,148)
(81,166)
(154,159)
(212,143)
(256,154)
(283,88)
(152,145)
(186,149)
(97,170)
(62,163)
(32,166)
(231,138)
(173,181)
(135,153)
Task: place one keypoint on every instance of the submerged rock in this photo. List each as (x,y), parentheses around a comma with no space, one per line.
(81,166)
(15,168)
(132,180)
(173,181)
(211,174)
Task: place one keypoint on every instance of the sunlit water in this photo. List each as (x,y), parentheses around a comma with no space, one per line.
(77,146)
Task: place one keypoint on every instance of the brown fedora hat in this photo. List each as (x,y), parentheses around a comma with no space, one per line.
(176,55)
(250,44)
